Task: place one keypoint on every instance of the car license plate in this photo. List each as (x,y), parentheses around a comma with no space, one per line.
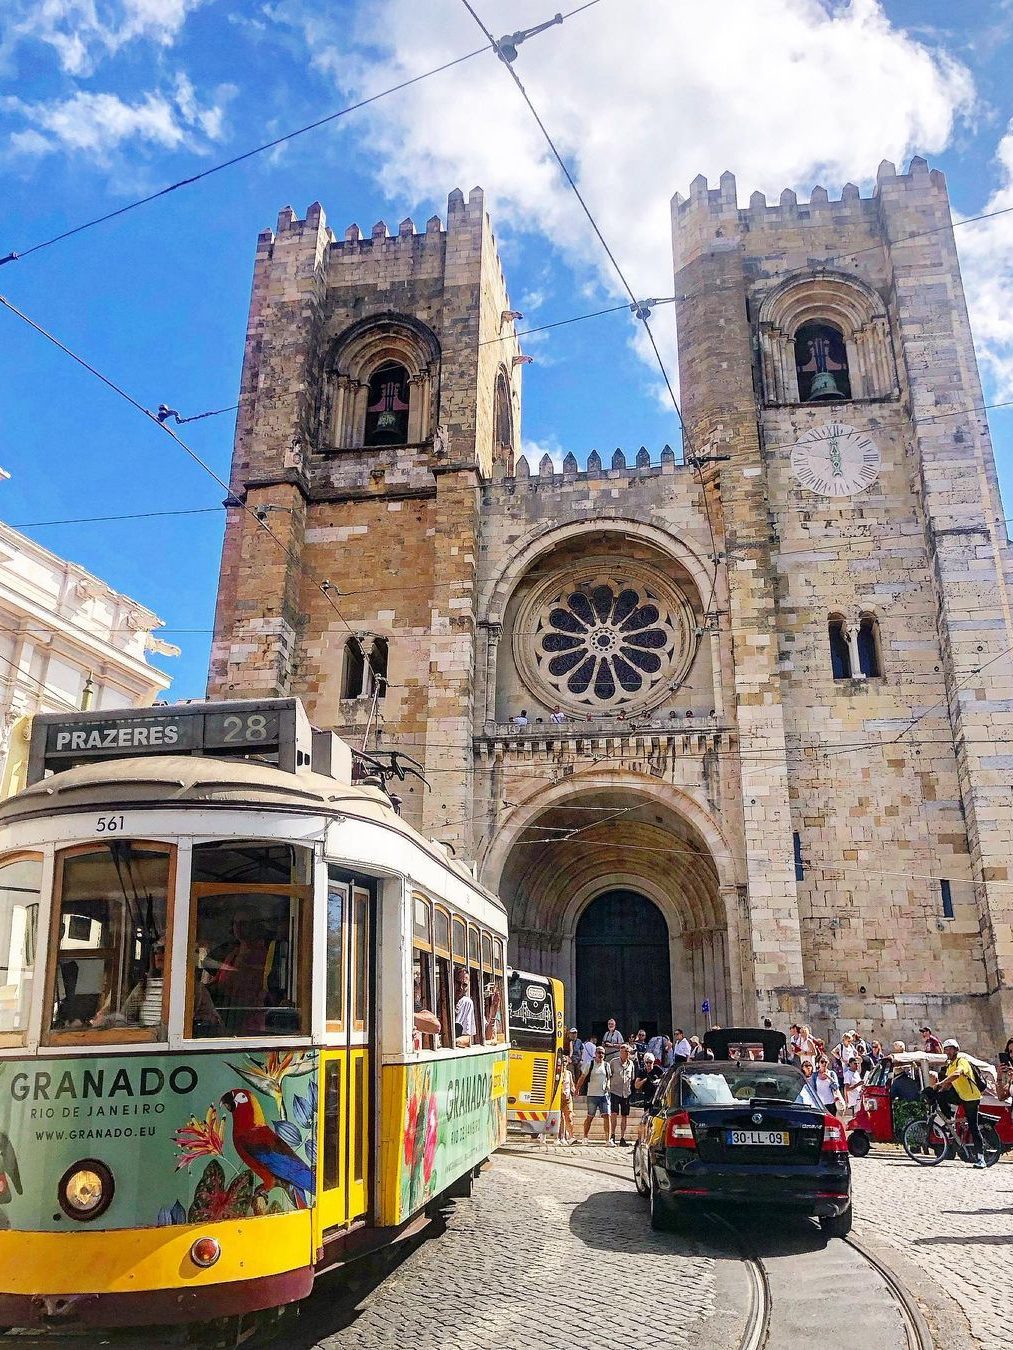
(776,1137)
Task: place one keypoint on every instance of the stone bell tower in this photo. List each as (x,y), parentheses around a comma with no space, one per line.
(379,390)
(825,349)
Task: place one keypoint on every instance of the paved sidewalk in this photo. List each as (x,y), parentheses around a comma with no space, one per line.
(952,1221)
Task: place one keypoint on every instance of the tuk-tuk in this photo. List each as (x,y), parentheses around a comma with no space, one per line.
(891,1099)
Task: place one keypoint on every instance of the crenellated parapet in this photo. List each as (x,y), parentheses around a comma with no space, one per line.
(638,464)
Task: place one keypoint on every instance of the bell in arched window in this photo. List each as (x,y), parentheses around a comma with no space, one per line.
(821,363)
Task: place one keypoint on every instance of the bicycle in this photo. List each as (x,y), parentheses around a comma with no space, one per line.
(928,1142)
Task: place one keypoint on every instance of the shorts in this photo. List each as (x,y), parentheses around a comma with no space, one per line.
(620,1105)
(596,1104)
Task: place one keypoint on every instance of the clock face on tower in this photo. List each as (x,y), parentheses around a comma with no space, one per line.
(835,460)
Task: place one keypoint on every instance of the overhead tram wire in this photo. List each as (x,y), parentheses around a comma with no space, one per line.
(641,312)
(324,587)
(17,254)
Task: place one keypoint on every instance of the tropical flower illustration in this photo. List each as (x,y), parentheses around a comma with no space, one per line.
(604,645)
(432,1136)
(268,1077)
(214,1199)
(200,1138)
(411,1120)
(171,1214)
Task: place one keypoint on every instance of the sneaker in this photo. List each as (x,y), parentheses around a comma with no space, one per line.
(612,1143)
(623,1143)
(980,1162)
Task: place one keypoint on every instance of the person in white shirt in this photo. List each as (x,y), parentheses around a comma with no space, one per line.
(681,1050)
(853,1081)
(464,1011)
(557,715)
(521,720)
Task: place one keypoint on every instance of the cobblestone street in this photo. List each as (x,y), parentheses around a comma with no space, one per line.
(953,1222)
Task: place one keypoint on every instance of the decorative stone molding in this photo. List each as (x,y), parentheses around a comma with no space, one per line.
(595,639)
(845,302)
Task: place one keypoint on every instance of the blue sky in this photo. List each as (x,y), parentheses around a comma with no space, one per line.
(105,100)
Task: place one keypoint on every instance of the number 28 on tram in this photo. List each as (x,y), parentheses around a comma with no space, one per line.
(251,1023)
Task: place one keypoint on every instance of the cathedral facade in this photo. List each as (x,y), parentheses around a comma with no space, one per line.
(726,730)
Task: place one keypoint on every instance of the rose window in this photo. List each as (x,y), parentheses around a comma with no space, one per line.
(606,644)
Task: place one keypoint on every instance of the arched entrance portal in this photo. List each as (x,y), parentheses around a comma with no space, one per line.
(623,965)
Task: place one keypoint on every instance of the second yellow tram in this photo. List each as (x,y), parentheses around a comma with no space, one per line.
(537,1040)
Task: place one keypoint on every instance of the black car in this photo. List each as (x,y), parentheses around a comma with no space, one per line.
(743,1128)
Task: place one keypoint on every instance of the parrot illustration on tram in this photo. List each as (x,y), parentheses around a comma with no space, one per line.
(263,1151)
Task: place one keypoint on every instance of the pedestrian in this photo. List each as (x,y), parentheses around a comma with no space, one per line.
(587,1049)
(824,1083)
(696,1049)
(1004,1079)
(621,1087)
(640,1048)
(681,1049)
(598,1079)
(646,1084)
(960,1088)
(656,1045)
(876,1052)
(806,1044)
(566,1087)
(521,720)
(557,715)
(612,1040)
(931,1043)
(853,1082)
(794,1036)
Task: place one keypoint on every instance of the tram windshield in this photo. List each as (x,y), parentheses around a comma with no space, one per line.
(109,939)
(250,940)
(532,1013)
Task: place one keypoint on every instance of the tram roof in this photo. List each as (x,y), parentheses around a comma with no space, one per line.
(168,781)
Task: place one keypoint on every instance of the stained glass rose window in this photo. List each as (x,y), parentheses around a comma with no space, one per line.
(608,643)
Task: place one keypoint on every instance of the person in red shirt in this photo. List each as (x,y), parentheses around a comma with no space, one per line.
(932,1044)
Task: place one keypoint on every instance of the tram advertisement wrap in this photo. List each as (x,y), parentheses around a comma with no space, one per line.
(187,1139)
(454,1116)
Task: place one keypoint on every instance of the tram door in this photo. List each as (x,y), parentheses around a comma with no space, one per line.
(345,1101)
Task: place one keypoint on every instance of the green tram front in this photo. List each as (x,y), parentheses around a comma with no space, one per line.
(212,1081)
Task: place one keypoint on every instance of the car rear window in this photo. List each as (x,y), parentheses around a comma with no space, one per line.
(728,1084)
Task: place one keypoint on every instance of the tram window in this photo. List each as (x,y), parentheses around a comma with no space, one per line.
(360,950)
(492,997)
(460,943)
(422,924)
(250,958)
(475,982)
(444,978)
(337,911)
(255,863)
(423,1002)
(332,1124)
(359,1123)
(107,974)
(465,1021)
(20,886)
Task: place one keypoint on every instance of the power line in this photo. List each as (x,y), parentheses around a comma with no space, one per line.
(919,234)
(324,586)
(642,313)
(16,255)
(131,515)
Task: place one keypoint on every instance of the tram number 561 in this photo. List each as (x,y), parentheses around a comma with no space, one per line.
(109,825)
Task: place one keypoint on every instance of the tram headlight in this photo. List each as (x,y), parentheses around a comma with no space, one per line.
(205,1252)
(86,1190)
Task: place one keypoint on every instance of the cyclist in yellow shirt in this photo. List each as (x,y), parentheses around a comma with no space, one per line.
(958,1088)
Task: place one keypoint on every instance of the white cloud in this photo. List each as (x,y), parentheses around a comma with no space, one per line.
(95,124)
(986,259)
(640,97)
(82,32)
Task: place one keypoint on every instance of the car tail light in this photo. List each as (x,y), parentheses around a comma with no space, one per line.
(835,1140)
(678,1131)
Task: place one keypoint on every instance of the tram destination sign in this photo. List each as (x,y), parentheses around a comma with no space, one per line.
(276,730)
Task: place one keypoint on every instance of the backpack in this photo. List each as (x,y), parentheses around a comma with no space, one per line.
(980,1081)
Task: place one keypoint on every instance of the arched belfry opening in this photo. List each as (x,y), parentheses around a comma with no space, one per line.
(622,963)
(615,887)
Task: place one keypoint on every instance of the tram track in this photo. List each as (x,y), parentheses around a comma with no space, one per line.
(760,1313)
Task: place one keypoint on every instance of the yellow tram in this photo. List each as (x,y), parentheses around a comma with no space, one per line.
(537,1041)
(251,1023)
